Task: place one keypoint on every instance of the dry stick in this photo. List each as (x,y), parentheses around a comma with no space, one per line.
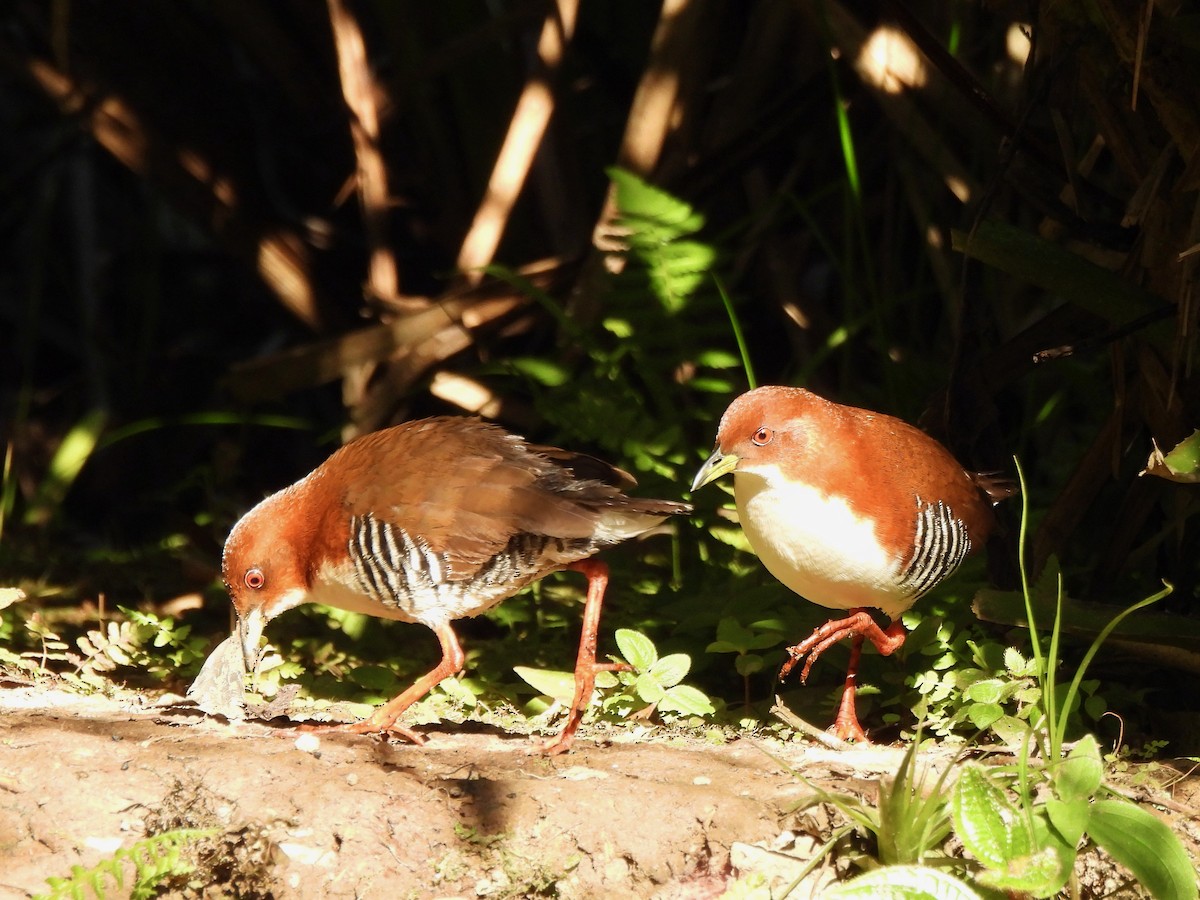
(525,131)
(792,720)
(358,90)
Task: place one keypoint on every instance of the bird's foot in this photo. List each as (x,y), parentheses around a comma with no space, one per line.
(367,726)
(859,622)
(845,724)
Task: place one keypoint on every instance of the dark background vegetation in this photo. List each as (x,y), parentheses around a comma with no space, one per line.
(192,195)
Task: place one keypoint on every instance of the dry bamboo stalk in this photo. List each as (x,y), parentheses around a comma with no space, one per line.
(358,88)
(525,132)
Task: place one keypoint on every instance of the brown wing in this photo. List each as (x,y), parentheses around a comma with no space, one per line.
(467,488)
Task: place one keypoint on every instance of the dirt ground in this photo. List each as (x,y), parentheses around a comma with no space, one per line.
(471,814)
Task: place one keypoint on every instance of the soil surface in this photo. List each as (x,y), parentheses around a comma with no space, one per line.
(472,813)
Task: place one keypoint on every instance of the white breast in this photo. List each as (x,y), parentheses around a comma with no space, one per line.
(815,544)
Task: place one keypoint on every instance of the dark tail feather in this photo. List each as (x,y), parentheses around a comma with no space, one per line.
(996,485)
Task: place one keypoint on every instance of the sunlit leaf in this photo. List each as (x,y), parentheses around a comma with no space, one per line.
(1182,464)
(687,700)
(671,669)
(1146,846)
(559,686)
(902,883)
(991,828)
(636,649)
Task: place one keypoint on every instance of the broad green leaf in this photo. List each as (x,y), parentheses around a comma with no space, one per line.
(637,649)
(606,680)
(671,669)
(989,690)
(1078,776)
(1146,846)
(1046,836)
(721,647)
(1035,874)
(649,689)
(457,691)
(989,825)
(1069,818)
(559,686)
(983,715)
(1182,464)
(373,678)
(748,664)
(686,700)
(1015,662)
(902,883)
(1010,730)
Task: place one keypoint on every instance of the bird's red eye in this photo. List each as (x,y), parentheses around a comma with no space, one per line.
(762,436)
(255,579)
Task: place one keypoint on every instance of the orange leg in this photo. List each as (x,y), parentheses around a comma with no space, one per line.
(586,666)
(383,720)
(860,626)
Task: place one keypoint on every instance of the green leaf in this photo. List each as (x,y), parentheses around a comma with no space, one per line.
(1046,836)
(902,883)
(68,460)
(748,664)
(1009,729)
(991,828)
(686,700)
(636,649)
(1078,776)
(1015,662)
(983,715)
(1037,874)
(1146,846)
(721,647)
(1069,818)
(671,669)
(638,199)
(543,371)
(649,689)
(1182,464)
(989,690)
(373,678)
(718,359)
(457,691)
(733,632)
(559,686)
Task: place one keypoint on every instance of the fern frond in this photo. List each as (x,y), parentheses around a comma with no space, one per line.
(153,859)
(655,226)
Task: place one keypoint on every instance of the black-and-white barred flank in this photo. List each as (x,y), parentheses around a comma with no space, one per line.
(940,545)
(391,566)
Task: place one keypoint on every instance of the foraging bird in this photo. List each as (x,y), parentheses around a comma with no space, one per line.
(432,521)
(851,509)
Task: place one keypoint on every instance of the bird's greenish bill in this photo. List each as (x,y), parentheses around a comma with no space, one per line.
(250,630)
(717,465)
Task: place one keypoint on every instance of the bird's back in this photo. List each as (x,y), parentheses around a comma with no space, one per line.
(444,517)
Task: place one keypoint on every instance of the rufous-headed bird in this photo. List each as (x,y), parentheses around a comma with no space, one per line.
(431,521)
(852,510)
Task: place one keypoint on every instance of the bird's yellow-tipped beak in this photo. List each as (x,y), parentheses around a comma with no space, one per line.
(250,629)
(717,465)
